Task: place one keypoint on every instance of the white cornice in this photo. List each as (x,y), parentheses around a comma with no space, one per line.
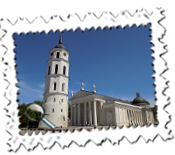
(122,106)
(56,75)
(58,59)
(55,93)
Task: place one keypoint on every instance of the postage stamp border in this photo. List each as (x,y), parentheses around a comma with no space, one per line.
(107,19)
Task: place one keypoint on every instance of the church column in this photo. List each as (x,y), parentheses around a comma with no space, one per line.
(141,121)
(123,114)
(78,114)
(95,113)
(127,111)
(85,114)
(75,112)
(71,114)
(140,118)
(132,114)
(126,117)
(152,117)
(90,114)
(101,113)
(135,112)
(129,117)
(115,113)
(135,117)
(118,117)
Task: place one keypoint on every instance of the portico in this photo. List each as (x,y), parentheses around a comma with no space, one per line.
(87,112)
(90,108)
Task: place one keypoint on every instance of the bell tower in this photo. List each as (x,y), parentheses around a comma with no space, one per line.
(55,97)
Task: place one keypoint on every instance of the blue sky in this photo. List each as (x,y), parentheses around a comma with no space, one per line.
(117,61)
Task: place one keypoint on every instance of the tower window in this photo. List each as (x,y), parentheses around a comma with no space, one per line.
(53,110)
(49,71)
(63,87)
(55,85)
(56,69)
(54,99)
(51,54)
(63,118)
(62,100)
(64,70)
(61,110)
(58,54)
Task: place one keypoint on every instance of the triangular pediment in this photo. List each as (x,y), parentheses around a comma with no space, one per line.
(81,94)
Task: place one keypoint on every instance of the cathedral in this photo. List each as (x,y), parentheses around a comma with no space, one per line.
(90,108)
(87,108)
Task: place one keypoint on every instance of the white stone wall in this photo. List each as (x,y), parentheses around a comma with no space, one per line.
(62,51)
(59,81)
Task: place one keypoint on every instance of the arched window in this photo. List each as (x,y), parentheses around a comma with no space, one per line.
(56,69)
(58,54)
(62,100)
(63,118)
(61,110)
(55,85)
(64,70)
(63,87)
(54,99)
(53,110)
(49,71)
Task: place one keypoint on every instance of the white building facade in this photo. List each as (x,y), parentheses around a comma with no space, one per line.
(55,97)
(90,108)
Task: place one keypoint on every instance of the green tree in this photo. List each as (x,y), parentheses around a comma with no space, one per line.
(24,121)
(69,110)
(154,110)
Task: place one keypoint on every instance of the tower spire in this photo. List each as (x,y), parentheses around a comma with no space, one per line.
(60,41)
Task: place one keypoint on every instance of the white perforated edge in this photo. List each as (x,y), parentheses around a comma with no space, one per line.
(90,20)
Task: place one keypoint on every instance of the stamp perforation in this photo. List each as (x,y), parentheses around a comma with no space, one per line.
(48,27)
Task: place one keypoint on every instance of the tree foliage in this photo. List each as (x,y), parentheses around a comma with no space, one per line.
(69,110)
(24,121)
(154,110)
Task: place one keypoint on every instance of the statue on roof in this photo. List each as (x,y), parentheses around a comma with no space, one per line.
(82,85)
(94,88)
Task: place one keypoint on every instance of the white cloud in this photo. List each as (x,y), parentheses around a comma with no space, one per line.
(74,91)
(27,90)
(42,85)
(79,83)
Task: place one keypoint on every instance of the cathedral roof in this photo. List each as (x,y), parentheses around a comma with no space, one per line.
(139,100)
(91,93)
(60,45)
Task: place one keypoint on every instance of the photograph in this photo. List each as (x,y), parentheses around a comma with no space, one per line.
(86,79)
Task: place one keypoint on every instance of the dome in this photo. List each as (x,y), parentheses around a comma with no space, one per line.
(60,45)
(139,100)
